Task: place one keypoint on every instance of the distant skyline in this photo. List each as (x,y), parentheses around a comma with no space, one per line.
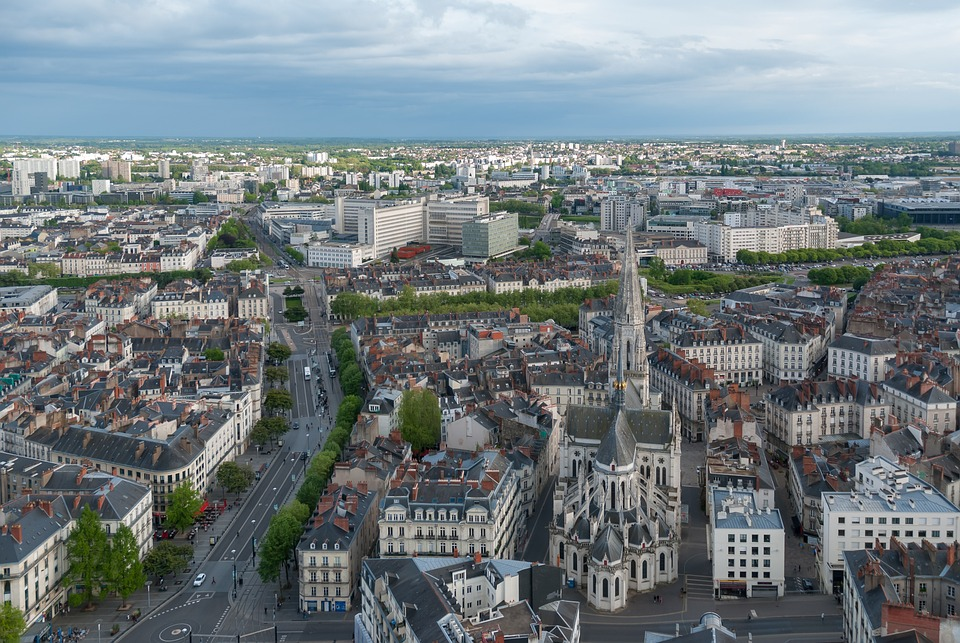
(435,69)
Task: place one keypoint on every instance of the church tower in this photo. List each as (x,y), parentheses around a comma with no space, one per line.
(629,340)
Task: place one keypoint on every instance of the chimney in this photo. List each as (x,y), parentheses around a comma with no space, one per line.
(76,502)
(952,553)
(156,453)
(100,500)
(476,557)
(140,449)
(362,486)
(47,508)
(342,522)
(80,474)
(17,532)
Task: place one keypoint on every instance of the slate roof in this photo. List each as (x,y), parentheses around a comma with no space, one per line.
(618,446)
(872,347)
(592,423)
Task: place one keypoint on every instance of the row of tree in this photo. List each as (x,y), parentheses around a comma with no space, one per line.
(351,378)
(856,275)
(932,242)
(560,305)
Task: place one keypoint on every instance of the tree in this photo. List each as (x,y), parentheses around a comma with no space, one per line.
(183,505)
(657,269)
(277,374)
(87,553)
(166,558)
(419,418)
(282,536)
(278,400)
(260,434)
(213,355)
(556,201)
(12,624)
(295,314)
(278,352)
(394,257)
(233,477)
(351,379)
(43,270)
(697,307)
(125,573)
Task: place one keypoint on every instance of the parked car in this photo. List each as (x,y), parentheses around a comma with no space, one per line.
(198,581)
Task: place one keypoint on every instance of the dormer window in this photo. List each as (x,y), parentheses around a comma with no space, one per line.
(313,545)
(324,546)
(336,546)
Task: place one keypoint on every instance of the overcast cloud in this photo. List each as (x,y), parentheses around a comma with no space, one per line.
(478,68)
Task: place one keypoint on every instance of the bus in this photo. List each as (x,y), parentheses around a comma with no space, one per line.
(306,373)
(330,365)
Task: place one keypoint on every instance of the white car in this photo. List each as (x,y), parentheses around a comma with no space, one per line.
(198,581)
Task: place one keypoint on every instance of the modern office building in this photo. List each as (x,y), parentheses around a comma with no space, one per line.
(446,218)
(490,236)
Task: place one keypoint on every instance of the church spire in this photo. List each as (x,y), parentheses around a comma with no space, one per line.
(628,359)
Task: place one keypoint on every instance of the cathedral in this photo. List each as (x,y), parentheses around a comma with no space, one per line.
(616,507)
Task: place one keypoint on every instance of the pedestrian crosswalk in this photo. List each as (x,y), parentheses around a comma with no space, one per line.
(698,586)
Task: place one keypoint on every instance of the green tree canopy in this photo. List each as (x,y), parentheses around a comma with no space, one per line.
(278,352)
(183,504)
(125,571)
(12,623)
(234,477)
(278,374)
(87,554)
(419,419)
(167,558)
(278,400)
(213,355)
(351,379)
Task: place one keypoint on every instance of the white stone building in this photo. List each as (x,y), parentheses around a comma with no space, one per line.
(852,356)
(746,544)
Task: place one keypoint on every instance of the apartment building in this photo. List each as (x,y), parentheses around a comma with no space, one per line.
(33,537)
(734,355)
(684,385)
(916,397)
(183,442)
(806,413)
(901,588)
(467,508)
(746,545)
(852,356)
(27,300)
(465,600)
(724,241)
(116,302)
(620,213)
(340,534)
(195,302)
(888,503)
(253,303)
(791,351)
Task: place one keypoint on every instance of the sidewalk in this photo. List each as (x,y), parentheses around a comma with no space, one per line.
(107,612)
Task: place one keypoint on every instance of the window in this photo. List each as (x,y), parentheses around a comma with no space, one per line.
(951,591)
(841,520)
(841,532)
(731,538)
(730,550)
(766,538)
(755,538)
(731,562)
(766,551)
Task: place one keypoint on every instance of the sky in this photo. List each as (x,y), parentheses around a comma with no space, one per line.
(478,68)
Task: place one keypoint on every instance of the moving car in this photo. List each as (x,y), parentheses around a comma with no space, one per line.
(198,581)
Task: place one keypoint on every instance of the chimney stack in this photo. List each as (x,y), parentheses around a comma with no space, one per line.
(17,532)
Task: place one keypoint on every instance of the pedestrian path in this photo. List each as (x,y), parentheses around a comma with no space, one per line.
(698,586)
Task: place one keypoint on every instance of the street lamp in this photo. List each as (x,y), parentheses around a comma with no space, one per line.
(234,553)
(98,632)
(149,582)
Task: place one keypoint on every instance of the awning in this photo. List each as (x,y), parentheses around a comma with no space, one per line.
(203,507)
